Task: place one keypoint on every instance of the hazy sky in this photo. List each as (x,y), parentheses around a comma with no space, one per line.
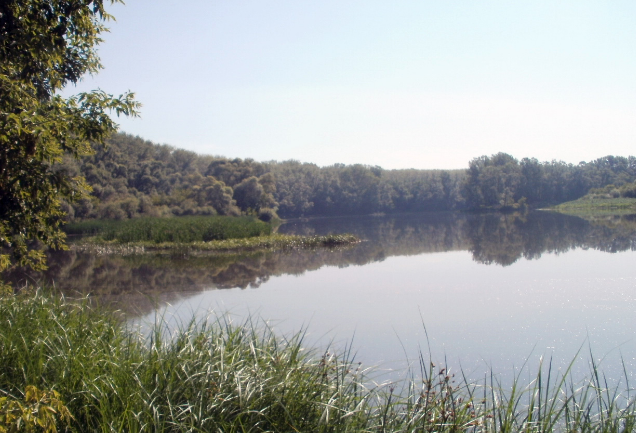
(400,84)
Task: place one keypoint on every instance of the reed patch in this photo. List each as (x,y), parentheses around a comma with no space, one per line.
(174,230)
(218,376)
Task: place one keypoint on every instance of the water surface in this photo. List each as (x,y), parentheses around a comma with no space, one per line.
(490,291)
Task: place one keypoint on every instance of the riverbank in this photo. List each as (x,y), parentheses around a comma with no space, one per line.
(216,376)
(594,205)
(227,246)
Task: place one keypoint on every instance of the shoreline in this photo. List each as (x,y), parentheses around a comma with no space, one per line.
(228,246)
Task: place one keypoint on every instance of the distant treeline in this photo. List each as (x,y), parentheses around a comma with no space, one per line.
(132,177)
(502,181)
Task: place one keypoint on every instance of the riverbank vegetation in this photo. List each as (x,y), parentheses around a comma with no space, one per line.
(501,181)
(132,177)
(217,376)
(611,199)
(220,234)
(596,205)
(226,246)
(172,230)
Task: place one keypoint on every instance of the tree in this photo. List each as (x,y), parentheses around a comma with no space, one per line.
(492,181)
(46,45)
(216,194)
(248,194)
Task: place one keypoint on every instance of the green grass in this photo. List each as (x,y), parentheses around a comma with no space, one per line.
(259,243)
(216,234)
(588,205)
(224,378)
(173,230)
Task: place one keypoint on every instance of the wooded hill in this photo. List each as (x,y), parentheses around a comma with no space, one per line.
(132,177)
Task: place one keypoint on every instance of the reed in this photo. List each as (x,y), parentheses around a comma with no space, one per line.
(216,376)
(227,246)
(174,230)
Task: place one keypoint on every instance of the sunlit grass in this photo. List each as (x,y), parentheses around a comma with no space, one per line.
(258,243)
(217,376)
(587,205)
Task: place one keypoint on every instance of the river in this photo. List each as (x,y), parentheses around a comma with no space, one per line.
(477,292)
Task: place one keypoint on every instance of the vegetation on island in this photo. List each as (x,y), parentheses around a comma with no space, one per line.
(226,246)
(71,366)
(172,230)
(212,234)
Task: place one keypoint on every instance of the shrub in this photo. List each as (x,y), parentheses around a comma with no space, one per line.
(267,214)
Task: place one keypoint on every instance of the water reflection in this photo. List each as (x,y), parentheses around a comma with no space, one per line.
(144,280)
(505,239)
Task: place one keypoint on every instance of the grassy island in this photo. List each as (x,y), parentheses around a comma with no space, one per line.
(216,234)
(70,366)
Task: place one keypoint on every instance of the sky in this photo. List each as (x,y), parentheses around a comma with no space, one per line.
(403,84)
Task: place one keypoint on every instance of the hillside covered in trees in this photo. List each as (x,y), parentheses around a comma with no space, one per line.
(132,177)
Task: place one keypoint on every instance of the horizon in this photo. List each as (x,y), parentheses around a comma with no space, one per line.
(421,85)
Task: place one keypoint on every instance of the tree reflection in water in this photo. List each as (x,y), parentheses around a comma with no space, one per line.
(138,282)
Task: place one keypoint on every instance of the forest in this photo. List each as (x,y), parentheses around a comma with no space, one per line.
(130,177)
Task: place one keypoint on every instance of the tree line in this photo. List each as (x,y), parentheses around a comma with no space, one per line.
(131,176)
(501,181)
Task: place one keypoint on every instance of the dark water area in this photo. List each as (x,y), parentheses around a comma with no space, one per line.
(490,290)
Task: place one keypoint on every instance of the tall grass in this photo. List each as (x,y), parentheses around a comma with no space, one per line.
(174,230)
(271,242)
(214,376)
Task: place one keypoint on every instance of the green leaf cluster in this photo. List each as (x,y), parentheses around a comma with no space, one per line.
(46,45)
(39,412)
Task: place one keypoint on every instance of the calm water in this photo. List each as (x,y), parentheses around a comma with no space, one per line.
(489,290)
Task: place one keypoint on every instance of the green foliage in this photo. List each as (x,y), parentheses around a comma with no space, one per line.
(46,45)
(248,194)
(628,190)
(131,177)
(215,376)
(267,214)
(162,180)
(590,204)
(41,411)
(174,230)
(502,182)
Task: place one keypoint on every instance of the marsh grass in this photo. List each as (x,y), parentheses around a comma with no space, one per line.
(184,235)
(220,377)
(174,230)
(271,242)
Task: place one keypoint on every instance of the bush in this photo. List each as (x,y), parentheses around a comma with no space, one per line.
(628,190)
(267,215)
